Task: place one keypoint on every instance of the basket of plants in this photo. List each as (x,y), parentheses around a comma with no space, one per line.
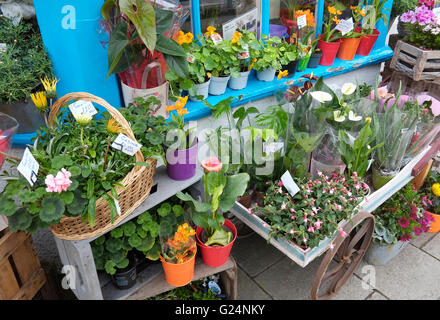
(85,175)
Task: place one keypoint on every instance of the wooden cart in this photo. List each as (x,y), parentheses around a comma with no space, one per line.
(349,251)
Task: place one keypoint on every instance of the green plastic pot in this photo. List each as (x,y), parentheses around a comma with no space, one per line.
(381,178)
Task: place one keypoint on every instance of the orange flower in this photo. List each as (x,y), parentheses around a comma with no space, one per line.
(252,64)
(236,37)
(182,112)
(181,102)
(353,7)
(282,74)
(332,10)
(210,31)
(170,108)
(336,20)
(184,38)
(189,37)
(362,12)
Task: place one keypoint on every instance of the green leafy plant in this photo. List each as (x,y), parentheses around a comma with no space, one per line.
(221,192)
(269,54)
(23,62)
(375,12)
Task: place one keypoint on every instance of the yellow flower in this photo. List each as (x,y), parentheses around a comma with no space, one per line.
(209,74)
(436,189)
(181,102)
(282,74)
(332,10)
(170,108)
(50,86)
(40,100)
(84,119)
(336,20)
(339,12)
(210,31)
(182,112)
(353,7)
(189,37)
(362,12)
(113,126)
(236,37)
(180,37)
(368,119)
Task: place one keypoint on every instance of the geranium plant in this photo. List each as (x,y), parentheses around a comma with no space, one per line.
(315,212)
(221,192)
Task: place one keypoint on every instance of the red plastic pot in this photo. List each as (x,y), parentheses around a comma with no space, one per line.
(329,51)
(216,256)
(367,42)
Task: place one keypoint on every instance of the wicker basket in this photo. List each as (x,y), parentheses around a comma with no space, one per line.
(137,182)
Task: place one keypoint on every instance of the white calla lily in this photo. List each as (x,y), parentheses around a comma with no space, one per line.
(348,88)
(353,117)
(321,96)
(338,116)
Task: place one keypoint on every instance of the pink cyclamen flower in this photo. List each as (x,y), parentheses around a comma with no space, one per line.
(293,217)
(292,210)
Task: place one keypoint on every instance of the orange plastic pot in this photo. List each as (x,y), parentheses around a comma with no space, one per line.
(348,48)
(435,224)
(179,274)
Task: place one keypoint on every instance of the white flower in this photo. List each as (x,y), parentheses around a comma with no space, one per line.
(435,31)
(339,116)
(353,117)
(348,88)
(84,119)
(321,96)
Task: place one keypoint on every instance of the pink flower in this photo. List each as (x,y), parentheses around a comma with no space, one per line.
(280,190)
(417,230)
(406,237)
(292,217)
(283,206)
(250,211)
(292,210)
(342,233)
(292,231)
(403,223)
(50,183)
(318,224)
(332,246)
(280,183)
(304,240)
(212,164)
(311,229)
(305,220)
(59,183)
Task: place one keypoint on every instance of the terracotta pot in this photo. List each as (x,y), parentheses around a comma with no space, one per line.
(329,51)
(179,274)
(348,48)
(435,224)
(219,255)
(367,42)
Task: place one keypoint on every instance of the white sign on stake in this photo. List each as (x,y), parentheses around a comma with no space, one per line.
(118,208)
(82,107)
(345,26)
(2,47)
(28,167)
(302,21)
(126,145)
(216,38)
(289,184)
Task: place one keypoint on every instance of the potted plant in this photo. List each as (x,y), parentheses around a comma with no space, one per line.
(8,127)
(220,56)
(314,213)
(178,255)
(329,41)
(431,199)
(268,60)
(374,12)
(215,234)
(398,221)
(288,57)
(140,35)
(244,46)
(23,63)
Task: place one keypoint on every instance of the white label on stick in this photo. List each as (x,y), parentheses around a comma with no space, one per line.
(436,11)
(126,145)
(302,21)
(190,58)
(82,107)
(216,38)
(345,26)
(28,167)
(118,208)
(289,184)
(2,47)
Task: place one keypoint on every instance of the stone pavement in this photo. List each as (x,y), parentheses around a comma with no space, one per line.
(265,273)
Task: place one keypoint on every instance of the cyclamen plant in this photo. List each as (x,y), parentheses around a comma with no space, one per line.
(423,26)
(315,212)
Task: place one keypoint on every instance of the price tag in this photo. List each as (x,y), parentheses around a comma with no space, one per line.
(118,208)
(190,58)
(216,38)
(28,167)
(82,107)
(345,26)
(289,184)
(273,147)
(245,53)
(126,145)
(2,47)
(302,21)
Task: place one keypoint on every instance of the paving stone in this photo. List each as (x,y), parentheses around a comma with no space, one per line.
(377,296)
(411,275)
(254,254)
(248,289)
(423,239)
(433,246)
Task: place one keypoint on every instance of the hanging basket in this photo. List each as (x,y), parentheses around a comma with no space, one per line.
(137,182)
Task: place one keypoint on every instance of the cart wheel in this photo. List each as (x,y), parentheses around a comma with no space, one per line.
(348,252)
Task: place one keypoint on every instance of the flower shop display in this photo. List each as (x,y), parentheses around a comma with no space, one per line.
(23,63)
(181,154)
(398,221)
(141,38)
(418,54)
(374,12)
(330,40)
(178,255)
(431,199)
(82,185)
(351,40)
(216,235)
(8,127)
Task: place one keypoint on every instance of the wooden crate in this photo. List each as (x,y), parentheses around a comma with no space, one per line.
(21,275)
(417,63)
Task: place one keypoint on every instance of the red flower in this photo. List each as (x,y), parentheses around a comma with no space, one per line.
(403,223)
(406,237)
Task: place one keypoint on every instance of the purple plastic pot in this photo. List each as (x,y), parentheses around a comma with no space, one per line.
(181,164)
(276,30)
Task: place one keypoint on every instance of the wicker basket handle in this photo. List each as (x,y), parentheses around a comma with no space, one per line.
(90,97)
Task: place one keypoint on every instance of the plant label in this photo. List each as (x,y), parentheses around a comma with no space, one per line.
(289,184)
(216,38)
(273,147)
(345,26)
(436,11)
(126,145)
(2,47)
(245,53)
(82,107)
(190,58)
(118,208)
(302,21)
(28,167)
